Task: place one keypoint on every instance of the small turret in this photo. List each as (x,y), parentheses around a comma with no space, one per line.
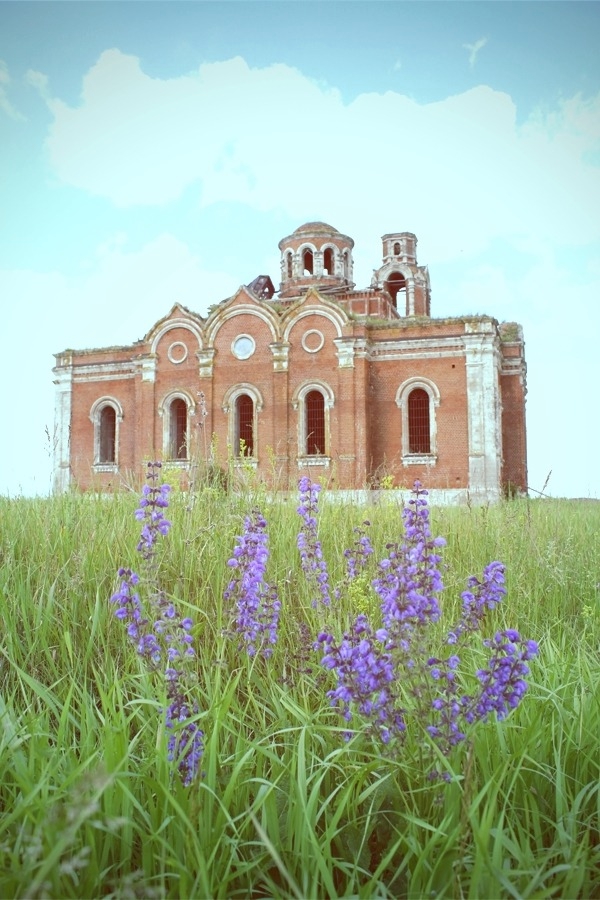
(406,283)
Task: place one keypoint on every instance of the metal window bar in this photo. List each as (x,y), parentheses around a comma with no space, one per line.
(315,423)
(244,444)
(419,430)
(108,434)
(178,443)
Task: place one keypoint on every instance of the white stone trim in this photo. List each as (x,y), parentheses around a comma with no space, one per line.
(298,404)
(171,355)
(482,362)
(336,318)
(95,418)
(63,400)
(148,368)
(344,349)
(320,340)
(263,314)
(246,337)
(402,395)
(164,412)
(176,323)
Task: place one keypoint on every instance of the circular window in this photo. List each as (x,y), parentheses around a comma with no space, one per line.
(177,352)
(243,346)
(312,341)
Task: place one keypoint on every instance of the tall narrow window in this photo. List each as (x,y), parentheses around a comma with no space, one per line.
(328,261)
(314,405)
(108,436)
(244,426)
(307,262)
(178,418)
(288,263)
(419,432)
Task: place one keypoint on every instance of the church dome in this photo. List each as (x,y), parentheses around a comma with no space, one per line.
(316,228)
(315,255)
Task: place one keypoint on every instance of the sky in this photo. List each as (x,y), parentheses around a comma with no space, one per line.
(156,152)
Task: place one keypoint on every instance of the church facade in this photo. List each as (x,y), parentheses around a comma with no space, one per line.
(356,388)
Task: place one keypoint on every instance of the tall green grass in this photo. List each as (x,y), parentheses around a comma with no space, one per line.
(286,807)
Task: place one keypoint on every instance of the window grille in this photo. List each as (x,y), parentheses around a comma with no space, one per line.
(108,434)
(315,423)
(244,431)
(178,426)
(419,431)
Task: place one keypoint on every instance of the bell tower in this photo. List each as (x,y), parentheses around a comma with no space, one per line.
(406,282)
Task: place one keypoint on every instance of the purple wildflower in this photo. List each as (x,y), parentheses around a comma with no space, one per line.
(162,637)
(448,706)
(365,677)
(410,577)
(377,671)
(503,681)
(311,555)
(358,555)
(480,597)
(256,601)
(185,744)
(155,498)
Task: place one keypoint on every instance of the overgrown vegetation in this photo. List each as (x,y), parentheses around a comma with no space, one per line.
(285,806)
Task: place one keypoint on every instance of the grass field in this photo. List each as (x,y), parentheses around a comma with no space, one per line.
(285,807)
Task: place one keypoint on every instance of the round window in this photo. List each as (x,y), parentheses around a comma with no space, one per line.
(312,341)
(243,346)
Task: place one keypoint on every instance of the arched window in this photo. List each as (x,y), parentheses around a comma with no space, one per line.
(308,262)
(178,429)
(419,428)
(244,426)
(396,284)
(314,413)
(242,404)
(313,402)
(328,261)
(418,399)
(396,249)
(106,415)
(107,440)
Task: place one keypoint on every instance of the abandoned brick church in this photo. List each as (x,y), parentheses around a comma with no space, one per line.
(349,386)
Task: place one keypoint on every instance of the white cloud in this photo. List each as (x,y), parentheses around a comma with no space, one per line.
(460,170)
(5,104)
(474,49)
(39,82)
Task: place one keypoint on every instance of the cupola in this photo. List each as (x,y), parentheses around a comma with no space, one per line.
(315,255)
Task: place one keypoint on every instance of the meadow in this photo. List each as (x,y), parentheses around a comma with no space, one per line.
(285,805)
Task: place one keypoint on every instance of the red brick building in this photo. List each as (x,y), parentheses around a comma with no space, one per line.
(351,386)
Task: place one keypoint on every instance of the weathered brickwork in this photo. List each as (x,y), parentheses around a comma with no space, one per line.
(361,388)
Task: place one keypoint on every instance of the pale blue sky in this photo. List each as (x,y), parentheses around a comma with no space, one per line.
(155,152)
